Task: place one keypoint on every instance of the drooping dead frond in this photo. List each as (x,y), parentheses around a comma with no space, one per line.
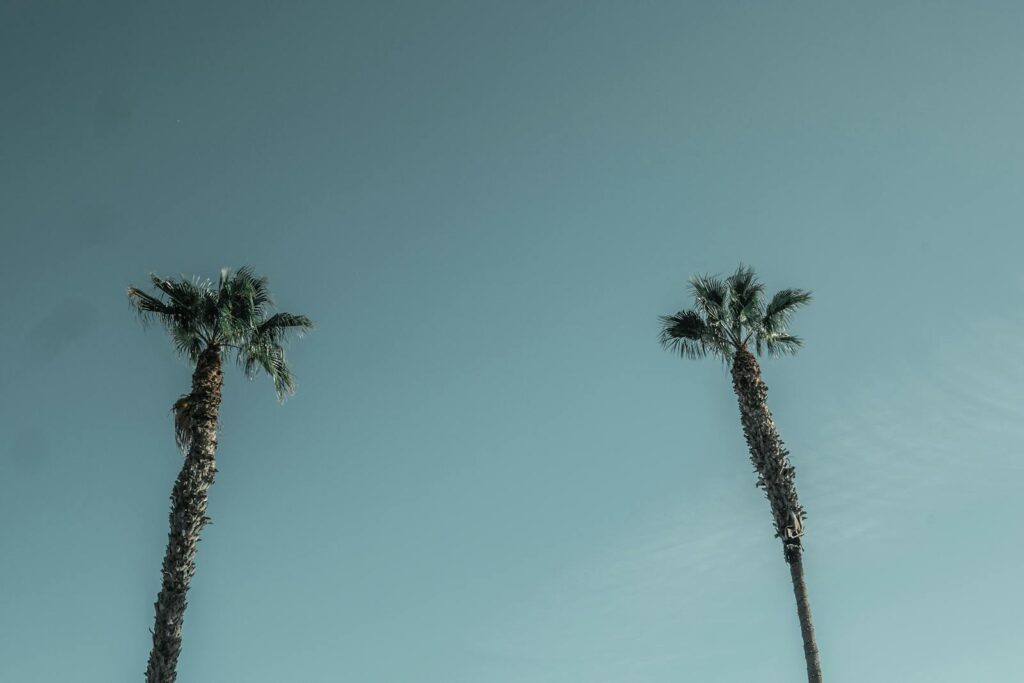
(182,410)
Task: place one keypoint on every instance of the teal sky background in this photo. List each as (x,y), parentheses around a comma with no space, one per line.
(491,472)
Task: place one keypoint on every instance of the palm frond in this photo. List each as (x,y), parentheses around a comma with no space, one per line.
(252,290)
(684,333)
(278,325)
(187,342)
(746,296)
(779,310)
(187,295)
(710,294)
(269,357)
(241,302)
(689,334)
(150,308)
(223,305)
(284,381)
(263,349)
(781,344)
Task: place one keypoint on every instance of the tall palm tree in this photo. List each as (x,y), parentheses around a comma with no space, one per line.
(730,319)
(207,322)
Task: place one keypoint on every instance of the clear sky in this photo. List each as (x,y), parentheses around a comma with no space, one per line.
(491,473)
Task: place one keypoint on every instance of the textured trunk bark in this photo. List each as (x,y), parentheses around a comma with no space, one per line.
(777,477)
(188,517)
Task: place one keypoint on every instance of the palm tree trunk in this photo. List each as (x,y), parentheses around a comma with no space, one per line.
(776,477)
(188,516)
(803,610)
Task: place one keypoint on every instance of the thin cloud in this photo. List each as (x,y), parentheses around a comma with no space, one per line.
(906,441)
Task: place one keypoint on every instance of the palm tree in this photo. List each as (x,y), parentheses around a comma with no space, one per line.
(729,319)
(206,323)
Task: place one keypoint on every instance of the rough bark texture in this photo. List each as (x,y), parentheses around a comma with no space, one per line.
(776,477)
(188,517)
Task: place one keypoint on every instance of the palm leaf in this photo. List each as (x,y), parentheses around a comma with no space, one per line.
(279,324)
(781,307)
(710,294)
(781,344)
(746,298)
(183,293)
(148,307)
(684,333)
(270,358)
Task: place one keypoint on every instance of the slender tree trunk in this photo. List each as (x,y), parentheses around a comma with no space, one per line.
(803,610)
(188,516)
(776,477)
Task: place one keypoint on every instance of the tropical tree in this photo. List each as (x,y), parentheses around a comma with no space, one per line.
(207,323)
(732,320)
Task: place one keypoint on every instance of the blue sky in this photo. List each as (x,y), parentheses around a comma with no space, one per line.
(490,471)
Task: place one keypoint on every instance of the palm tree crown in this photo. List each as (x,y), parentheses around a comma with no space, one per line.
(730,313)
(229,316)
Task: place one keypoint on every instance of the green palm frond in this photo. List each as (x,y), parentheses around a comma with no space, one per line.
(746,298)
(185,294)
(256,288)
(148,307)
(689,334)
(187,342)
(278,325)
(781,307)
(265,355)
(242,298)
(246,293)
(782,344)
(710,294)
(684,333)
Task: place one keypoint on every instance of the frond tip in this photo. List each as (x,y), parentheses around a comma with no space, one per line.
(148,307)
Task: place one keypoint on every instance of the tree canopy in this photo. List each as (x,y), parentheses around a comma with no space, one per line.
(233,315)
(730,313)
